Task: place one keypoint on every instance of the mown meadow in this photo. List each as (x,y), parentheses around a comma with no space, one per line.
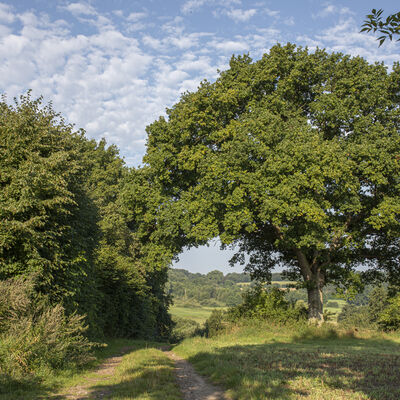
(255,361)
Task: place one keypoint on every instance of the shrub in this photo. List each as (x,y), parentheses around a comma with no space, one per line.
(268,304)
(377,302)
(355,316)
(389,319)
(183,328)
(36,336)
(216,323)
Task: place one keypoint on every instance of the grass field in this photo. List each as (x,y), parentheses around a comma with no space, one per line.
(145,373)
(334,310)
(198,314)
(262,362)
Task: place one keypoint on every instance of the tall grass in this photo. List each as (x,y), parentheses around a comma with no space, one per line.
(37,338)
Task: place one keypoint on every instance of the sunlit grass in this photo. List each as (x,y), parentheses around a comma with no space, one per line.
(259,361)
(145,373)
(198,314)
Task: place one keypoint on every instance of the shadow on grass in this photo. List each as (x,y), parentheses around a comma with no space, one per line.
(12,388)
(150,378)
(319,368)
(147,383)
(32,387)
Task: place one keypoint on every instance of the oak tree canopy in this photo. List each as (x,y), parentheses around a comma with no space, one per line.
(294,159)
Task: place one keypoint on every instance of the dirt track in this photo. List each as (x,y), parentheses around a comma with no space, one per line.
(85,390)
(192,385)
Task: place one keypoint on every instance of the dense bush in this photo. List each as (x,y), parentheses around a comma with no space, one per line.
(75,216)
(381,311)
(183,328)
(35,336)
(389,319)
(354,316)
(216,323)
(258,303)
(268,304)
(377,302)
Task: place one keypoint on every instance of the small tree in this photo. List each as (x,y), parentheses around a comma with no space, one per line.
(294,159)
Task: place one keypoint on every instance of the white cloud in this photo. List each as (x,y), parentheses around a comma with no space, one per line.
(239,15)
(80,9)
(104,82)
(289,21)
(6,14)
(345,37)
(271,13)
(113,81)
(192,5)
(230,46)
(327,10)
(331,9)
(134,17)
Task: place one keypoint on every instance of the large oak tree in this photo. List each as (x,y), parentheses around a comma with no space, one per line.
(294,159)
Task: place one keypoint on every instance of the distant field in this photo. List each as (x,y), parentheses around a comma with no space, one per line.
(198,314)
(336,311)
(260,361)
(280,283)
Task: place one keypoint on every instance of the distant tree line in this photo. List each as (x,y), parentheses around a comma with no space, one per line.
(212,289)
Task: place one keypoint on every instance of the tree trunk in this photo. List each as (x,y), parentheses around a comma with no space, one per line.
(315,280)
(315,304)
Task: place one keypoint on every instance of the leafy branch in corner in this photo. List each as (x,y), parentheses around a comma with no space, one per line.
(388,28)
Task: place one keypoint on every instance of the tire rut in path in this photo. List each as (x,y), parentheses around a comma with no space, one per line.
(87,390)
(192,385)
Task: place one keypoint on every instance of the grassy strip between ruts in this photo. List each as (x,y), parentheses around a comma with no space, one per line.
(257,361)
(144,373)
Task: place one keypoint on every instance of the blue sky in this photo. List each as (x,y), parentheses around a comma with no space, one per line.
(112,67)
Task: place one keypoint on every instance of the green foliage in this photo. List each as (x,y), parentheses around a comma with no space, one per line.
(74,216)
(183,328)
(36,336)
(377,302)
(216,323)
(389,318)
(293,159)
(381,311)
(258,304)
(45,213)
(354,316)
(269,304)
(387,28)
(212,290)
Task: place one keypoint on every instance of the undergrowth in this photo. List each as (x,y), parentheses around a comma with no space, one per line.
(37,338)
